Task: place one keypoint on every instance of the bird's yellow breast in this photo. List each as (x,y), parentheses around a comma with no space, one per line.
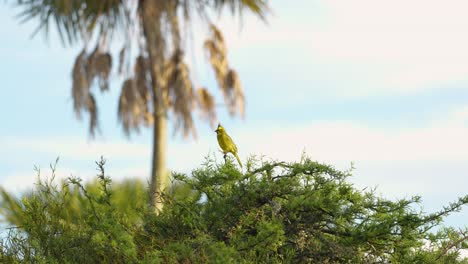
(226,143)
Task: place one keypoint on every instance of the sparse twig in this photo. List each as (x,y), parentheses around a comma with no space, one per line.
(104,181)
(453,244)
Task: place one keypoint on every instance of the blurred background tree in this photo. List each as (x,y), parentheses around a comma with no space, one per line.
(159,84)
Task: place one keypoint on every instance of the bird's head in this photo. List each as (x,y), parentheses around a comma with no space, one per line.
(219,129)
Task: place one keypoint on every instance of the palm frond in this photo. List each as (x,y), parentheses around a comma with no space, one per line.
(181,94)
(143,83)
(126,99)
(102,67)
(80,84)
(206,102)
(87,68)
(123,65)
(132,110)
(258,7)
(91,107)
(76,20)
(173,22)
(237,7)
(234,93)
(228,79)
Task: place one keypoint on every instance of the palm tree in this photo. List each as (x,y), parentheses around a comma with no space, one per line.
(159,83)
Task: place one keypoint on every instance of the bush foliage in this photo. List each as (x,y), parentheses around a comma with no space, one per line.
(275,212)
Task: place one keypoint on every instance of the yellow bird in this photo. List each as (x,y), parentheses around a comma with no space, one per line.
(226,143)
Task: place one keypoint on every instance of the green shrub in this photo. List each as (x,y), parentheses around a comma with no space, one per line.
(275,212)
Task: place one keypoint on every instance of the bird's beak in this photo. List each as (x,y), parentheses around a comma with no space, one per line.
(216,130)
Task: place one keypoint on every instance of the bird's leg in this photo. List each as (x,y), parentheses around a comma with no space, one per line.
(225,157)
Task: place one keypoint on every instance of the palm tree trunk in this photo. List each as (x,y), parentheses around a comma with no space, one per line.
(151,12)
(159,175)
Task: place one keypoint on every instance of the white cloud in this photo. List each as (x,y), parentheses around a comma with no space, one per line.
(79,148)
(459,115)
(18,182)
(363,46)
(346,141)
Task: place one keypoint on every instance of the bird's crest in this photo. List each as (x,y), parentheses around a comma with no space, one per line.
(220,128)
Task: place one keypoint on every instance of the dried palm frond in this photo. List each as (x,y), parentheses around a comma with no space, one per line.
(124,113)
(218,60)
(228,79)
(132,109)
(180,91)
(148,118)
(173,20)
(258,7)
(234,93)
(122,61)
(218,37)
(90,62)
(85,70)
(75,20)
(98,66)
(141,70)
(216,51)
(102,68)
(143,87)
(206,102)
(80,84)
(91,107)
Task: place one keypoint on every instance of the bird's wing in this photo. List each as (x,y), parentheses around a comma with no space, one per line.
(232,144)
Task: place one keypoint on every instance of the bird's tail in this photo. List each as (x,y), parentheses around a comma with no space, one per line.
(238,160)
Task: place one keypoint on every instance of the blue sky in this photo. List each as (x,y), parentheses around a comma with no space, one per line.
(383,84)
